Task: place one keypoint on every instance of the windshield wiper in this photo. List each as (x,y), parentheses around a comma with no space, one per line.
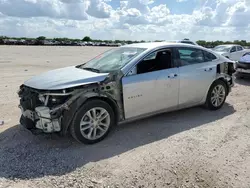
(91,69)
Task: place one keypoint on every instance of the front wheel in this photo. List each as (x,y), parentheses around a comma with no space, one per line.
(216,95)
(92,122)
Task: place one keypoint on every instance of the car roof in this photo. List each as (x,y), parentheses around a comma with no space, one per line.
(152,45)
(228,45)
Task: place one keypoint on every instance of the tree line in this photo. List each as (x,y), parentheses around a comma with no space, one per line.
(40,39)
(218,42)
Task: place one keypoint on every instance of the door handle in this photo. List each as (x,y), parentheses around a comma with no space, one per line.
(208,69)
(172,75)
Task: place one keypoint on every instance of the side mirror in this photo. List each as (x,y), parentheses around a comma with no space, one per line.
(133,71)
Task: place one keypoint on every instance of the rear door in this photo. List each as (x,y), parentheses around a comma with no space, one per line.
(197,72)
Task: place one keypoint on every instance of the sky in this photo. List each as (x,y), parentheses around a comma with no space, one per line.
(127,19)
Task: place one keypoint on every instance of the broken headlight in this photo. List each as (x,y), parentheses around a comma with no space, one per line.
(57,100)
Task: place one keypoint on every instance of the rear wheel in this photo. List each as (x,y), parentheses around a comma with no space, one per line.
(216,95)
(92,122)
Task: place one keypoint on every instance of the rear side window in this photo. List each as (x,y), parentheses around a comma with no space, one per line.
(233,49)
(209,56)
(190,56)
(239,48)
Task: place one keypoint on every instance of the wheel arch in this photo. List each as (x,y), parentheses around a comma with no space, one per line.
(109,101)
(226,83)
(69,115)
(219,78)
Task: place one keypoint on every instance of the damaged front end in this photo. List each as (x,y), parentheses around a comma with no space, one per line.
(42,109)
(53,111)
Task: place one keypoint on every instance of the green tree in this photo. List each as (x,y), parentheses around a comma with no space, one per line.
(201,42)
(41,38)
(87,39)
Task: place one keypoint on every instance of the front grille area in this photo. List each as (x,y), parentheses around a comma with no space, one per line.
(28,99)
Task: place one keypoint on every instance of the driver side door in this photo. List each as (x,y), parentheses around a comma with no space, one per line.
(149,90)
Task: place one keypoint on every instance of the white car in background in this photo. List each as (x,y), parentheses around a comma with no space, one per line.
(243,66)
(231,51)
(184,41)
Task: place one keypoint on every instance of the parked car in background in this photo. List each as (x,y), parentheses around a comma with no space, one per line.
(231,51)
(185,41)
(123,84)
(243,66)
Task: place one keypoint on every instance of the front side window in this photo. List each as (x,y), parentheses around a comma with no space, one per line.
(233,49)
(150,56)
(239,48)
(190,56)
(155,61)
(112,60)
(209,56)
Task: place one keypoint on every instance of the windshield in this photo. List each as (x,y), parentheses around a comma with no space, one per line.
(222,48)
(112,60)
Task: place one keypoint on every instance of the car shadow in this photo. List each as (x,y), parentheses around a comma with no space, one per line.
(28,156)
(243,81)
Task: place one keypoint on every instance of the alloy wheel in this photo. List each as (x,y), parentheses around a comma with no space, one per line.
(95,123)
(218,95)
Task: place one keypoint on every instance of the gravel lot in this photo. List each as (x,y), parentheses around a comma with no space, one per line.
(189,148)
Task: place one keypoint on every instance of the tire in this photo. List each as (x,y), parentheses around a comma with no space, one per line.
(94,126)
(209,104)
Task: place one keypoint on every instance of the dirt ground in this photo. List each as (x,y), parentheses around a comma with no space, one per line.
(189,148)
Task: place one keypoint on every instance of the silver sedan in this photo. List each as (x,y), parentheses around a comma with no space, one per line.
(124,84)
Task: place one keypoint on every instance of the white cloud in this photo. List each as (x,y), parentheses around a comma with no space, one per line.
(180,1)
(134,19)
(43,8)
(99,9)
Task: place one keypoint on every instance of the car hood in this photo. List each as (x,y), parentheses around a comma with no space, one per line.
(64,78)
(221,53)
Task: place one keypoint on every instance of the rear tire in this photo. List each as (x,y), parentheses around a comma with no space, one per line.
(217,95)
(92,122)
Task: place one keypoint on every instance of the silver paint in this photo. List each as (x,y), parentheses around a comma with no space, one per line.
(141,95)
(63,78)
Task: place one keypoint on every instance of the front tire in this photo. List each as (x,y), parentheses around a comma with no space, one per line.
(217,95)
(92,122)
